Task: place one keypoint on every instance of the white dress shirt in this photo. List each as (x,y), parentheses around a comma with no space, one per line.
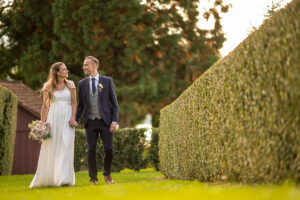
(96,81)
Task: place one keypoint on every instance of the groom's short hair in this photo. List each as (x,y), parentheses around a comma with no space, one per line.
(93,59)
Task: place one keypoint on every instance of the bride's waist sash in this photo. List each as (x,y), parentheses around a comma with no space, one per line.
(65,103)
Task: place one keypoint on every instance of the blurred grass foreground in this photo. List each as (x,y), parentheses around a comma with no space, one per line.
(146,184)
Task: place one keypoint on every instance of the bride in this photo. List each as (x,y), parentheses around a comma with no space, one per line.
(56,160)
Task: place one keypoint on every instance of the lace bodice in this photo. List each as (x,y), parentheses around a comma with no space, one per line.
(64,95)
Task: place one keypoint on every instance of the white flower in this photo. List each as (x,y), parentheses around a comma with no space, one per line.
(100,86)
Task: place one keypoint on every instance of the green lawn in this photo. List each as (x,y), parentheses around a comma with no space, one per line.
(146,184)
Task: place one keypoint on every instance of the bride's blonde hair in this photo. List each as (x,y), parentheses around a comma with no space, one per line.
(51,83)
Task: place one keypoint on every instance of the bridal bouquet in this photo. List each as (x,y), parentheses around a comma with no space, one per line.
(39,130)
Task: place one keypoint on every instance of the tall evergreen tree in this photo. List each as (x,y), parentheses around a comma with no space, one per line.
(28,26)
(153,49)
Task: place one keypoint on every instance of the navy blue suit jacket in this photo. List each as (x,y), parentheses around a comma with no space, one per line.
(108,103)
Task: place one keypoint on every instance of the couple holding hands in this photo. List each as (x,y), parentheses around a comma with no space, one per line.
(98,102)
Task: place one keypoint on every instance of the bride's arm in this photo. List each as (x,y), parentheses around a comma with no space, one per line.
(74,103)
(44,110)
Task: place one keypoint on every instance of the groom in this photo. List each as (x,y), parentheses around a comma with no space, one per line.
(97,100)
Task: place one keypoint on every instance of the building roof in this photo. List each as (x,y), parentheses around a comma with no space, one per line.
(27,98)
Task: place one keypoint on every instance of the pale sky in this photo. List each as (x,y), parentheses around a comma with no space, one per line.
(240,19)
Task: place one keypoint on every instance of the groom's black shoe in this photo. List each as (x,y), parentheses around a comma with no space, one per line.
(95,182)
(108,179)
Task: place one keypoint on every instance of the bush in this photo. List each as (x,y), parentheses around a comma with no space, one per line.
(80,158)
(8,118)
(153,149)
(240,121)
(129,146)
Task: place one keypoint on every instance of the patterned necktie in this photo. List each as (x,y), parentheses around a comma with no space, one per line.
(93,85)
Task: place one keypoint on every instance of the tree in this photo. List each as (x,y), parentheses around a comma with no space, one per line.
(28,27)
(152,49)
(270,10)
(273,8)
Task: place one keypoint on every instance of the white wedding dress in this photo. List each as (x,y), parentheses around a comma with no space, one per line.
(56,160)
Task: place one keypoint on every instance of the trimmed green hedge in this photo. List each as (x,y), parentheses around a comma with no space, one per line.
(153,149)
(240,121)
(80,159)
(8,119)
(129,146)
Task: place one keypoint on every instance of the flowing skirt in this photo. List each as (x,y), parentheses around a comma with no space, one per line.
(56,160)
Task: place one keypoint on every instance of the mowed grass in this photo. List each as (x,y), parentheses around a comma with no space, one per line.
(146,184)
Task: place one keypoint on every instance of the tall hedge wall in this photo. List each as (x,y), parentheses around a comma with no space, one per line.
(129,147)
(240,121)
(8,118)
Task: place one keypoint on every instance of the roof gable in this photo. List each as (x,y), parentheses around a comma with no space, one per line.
(27,98)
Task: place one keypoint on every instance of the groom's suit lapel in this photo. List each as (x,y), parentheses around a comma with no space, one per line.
(87,89)
(100,81)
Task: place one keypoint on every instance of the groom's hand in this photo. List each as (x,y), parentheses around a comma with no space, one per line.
(73,123)
(113,127)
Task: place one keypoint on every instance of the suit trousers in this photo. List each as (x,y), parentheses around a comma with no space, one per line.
(92,130)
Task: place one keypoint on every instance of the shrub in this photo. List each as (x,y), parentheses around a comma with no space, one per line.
(8,118)
(240,121)
(80,158)
(153,149)
(129,145)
